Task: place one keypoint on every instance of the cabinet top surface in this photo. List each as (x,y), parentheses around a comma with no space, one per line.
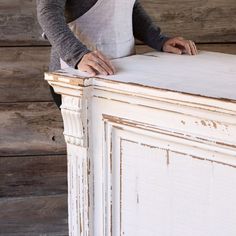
(207,74)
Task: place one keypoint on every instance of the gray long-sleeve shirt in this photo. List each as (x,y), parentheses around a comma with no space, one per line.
(53,16)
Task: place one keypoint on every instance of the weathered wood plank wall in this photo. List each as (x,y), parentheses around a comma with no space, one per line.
(32,149)
(33,182)
(203,21)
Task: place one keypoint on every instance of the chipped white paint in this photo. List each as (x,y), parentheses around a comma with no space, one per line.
(150,153)
(74,124)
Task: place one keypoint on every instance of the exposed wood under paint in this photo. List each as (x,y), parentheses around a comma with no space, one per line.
(184,183)
(186,74)
(22,70)
(147,147)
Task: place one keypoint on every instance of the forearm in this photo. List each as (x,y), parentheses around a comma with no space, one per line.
(145,30)
(51,18)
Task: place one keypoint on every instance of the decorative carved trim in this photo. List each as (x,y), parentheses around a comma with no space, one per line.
(71,110)
(74,115)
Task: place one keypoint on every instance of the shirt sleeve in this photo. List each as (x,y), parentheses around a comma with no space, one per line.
(145,30)
(51,18)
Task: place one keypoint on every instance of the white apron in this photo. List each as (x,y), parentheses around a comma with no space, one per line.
(106,27)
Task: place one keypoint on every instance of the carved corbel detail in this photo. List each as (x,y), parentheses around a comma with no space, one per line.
(74,127)
(74,113)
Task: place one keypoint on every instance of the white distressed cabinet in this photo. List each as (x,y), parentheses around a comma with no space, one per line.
(152,149)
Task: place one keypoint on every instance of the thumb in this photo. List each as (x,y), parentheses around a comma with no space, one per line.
(173,49)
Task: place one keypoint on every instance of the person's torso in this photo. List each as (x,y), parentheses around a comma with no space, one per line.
(107,27)
(76,8)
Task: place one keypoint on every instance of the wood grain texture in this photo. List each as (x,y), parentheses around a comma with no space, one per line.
(214,47)
(224,48)
(18,23)
(35,128)
(22,68)
(21,74)
(33,175)
(201,21)
(153,149)
(34,216)
(31,129)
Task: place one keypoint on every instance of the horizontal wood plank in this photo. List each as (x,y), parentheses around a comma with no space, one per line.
(34,216)
(223,48)
(202,21)
(31,129)
(33,175)
(22,74)
(18,23)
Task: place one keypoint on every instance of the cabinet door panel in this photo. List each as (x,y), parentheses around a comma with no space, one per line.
(168,191)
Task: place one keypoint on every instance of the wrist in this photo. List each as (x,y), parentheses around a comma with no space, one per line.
(164,40)
(80,58)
